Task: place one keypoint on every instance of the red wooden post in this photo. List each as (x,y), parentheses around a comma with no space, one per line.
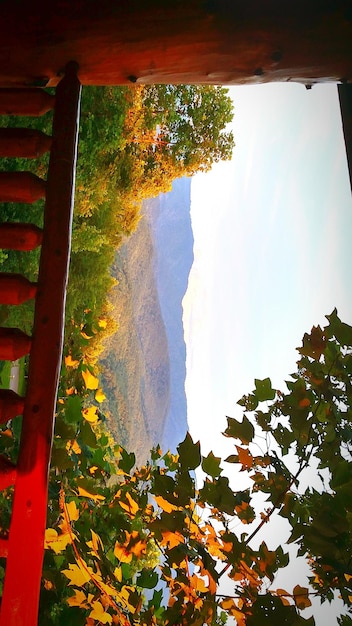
(21,187)
(23,142)
(11,405)
(27,102)
(16,236)
(26,538)
(13,344)
(15,289)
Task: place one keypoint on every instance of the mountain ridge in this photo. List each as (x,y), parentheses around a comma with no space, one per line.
(143,366)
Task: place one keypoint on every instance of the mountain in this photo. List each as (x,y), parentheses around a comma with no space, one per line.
(143,366)
(172,236)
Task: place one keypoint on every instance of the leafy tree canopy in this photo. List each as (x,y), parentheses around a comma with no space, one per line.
(119,536)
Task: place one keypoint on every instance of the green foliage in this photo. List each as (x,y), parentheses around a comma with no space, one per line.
(115,532)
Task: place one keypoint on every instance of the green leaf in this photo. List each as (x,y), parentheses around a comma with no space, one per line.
(189,453)
(73,409)
(342,331)
(240,430)
(127,460)
(148,579)
(263,390)
(211,465)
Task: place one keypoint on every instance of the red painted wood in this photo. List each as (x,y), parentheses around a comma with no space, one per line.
(23,142)
(14,343)
(8,473)
(27,102)
(26,539)
(21,187)
(15,289)
(176,41)
(11,405)
(4,548)
(16,236)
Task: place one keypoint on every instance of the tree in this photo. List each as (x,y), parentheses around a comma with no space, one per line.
(104,534)
(190,125)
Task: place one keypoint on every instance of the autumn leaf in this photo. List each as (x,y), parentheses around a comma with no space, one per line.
(132,507)
(245,458)
(100,395)
(165,505)
(78,575)
(90,414)
(92,496)
(70,362)
(90,381)
(56,542)
(100,614)
(95,544)
(301,597)
(79,599)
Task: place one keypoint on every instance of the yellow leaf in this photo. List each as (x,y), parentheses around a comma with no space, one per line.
(118,574)
(72,511)
(95,544)
(70,362)
(90,414)
(165,505)
(122,553)
(79,599)
(78,575)
(99,613)
(102,323)
(74,446)
(90,381)
(92,496)
(132,507)
(171,539)
(100,395)
(56,542)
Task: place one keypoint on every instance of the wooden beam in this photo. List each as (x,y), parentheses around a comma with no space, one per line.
(199,41)
(345,97)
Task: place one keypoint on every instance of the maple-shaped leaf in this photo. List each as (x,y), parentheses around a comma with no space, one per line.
(244,458)
(263,390)
(313,344)
(98,613)
(90,381)
(72,511)
(79,599)
(78,575)
(244,431)
(189,453)
(211,465)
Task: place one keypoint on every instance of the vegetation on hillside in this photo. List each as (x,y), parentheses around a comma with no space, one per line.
(133,142)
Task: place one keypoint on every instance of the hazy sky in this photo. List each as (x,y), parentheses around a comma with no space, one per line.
(273,251)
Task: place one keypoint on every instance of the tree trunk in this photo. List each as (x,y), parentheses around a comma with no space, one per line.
(162,41)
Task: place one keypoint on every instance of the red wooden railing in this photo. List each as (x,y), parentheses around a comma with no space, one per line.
(24,548)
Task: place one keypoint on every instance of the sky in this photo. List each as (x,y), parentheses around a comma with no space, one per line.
(273,253)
